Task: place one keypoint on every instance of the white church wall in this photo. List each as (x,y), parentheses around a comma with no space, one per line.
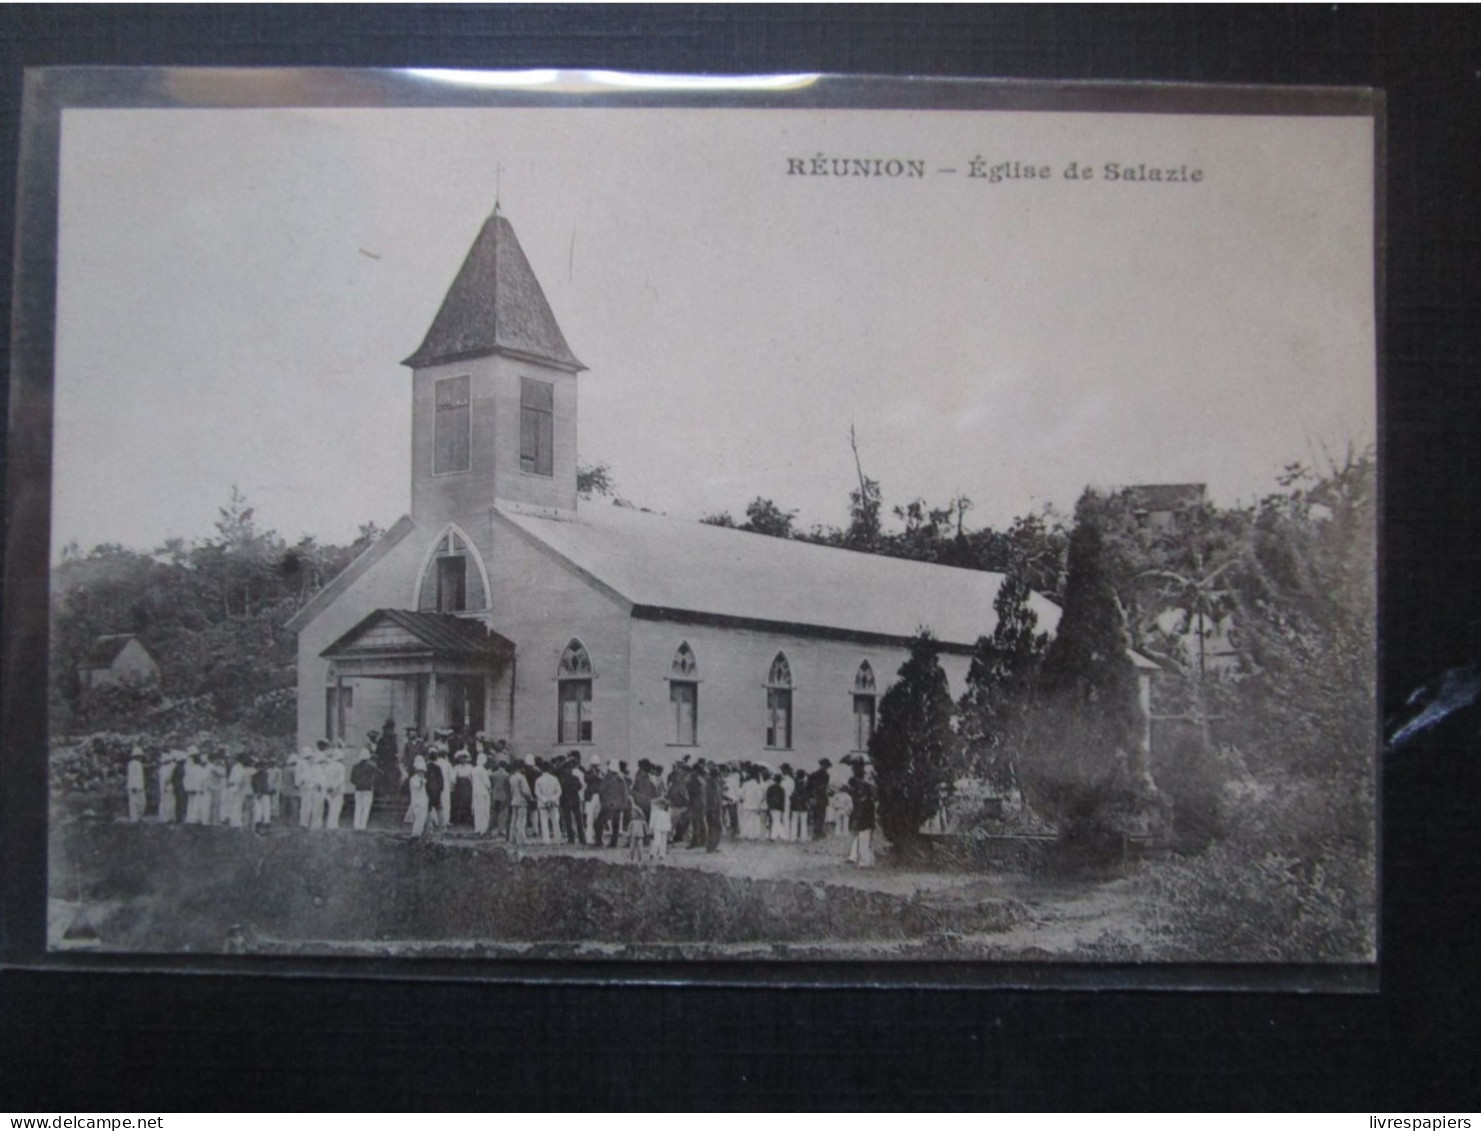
(541,605)
(386,585)
(732,670)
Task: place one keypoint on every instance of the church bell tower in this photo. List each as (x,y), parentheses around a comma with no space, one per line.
(493,392)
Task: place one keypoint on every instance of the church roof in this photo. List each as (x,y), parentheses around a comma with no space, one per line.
(495,305)
(671,568)
(399,631)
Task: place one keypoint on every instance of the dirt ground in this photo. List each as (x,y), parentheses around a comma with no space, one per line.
(174,889)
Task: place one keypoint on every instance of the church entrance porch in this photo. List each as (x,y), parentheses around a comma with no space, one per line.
(457,703)
(430,671)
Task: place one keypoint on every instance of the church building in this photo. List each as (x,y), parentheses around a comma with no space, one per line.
(504,604)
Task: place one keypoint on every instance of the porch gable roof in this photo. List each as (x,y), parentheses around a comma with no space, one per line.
(400,632)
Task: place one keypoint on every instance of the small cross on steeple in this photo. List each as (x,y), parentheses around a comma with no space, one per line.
(498,176)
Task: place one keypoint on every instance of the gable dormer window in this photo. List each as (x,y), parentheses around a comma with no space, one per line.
(453,578)
(536,427)
(452,584)
(453,427)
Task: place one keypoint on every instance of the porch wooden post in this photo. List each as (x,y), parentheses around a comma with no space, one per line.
(433,722)
(339,705)
(513,679)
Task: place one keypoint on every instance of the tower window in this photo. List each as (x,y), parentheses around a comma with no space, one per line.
(452,439)
(536,427)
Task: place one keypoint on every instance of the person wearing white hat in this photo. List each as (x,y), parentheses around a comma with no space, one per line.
(445,801)
(417,784)
(166,773)
(238,788)
(216,786)
(304,780)
(334,785)
(482,781)
(197,781)
(548,798)
(135,782)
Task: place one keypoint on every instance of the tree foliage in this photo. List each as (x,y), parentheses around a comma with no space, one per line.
(764,517)
(1082,765)
(211,613)
(912,746)
(594,479)
(996,708)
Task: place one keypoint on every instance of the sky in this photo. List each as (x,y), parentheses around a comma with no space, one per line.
(237,288)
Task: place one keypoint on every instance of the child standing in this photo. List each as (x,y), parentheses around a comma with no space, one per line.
(662,823)
(637,831)
(843,805)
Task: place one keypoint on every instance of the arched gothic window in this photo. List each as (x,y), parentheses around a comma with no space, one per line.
(864,705)
(780,674)
(575,660)
(684,696)
(573,676)
(452,581)
(684,666)
(779,704)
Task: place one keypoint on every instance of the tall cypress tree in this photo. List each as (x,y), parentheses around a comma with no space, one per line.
(1083,761)
(912,746)
(1000,687)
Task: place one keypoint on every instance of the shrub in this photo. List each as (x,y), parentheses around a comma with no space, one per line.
(912,747)
(1194,778)
(1285,885)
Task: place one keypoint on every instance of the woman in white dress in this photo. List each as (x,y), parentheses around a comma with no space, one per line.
(482,794)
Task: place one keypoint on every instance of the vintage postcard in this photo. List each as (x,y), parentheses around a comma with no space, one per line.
(760,529)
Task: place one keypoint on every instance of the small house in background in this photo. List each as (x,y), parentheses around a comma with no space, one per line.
(115,659)
(1162,505)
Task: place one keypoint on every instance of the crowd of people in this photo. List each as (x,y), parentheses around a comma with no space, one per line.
(467,784)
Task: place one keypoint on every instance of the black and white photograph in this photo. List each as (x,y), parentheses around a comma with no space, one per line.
(755,533)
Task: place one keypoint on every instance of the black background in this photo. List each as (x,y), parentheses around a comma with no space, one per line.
(118,1042)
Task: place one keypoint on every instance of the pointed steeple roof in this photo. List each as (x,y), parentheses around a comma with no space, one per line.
(495,305)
